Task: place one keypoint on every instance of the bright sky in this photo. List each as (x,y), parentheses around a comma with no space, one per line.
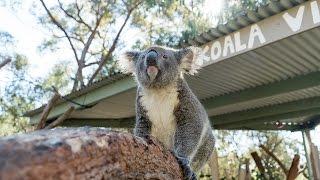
(22,25)
(24,28)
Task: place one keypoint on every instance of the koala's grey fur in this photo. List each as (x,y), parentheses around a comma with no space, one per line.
(187,121)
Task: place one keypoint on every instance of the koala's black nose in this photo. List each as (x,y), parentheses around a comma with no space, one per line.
(151,58)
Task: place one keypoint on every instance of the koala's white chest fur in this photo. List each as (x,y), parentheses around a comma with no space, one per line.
(160,105)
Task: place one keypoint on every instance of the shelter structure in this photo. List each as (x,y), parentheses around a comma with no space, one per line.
(261,72)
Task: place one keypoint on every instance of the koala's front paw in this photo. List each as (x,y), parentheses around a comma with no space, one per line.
(188,174)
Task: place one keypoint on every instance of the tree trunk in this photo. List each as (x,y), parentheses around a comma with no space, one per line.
(84,153)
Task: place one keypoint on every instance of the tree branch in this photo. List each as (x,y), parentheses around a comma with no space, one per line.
(113,46)
(80,20)
(54,21)
(294,169)
(258,162)
(79,16)
(47,110)
(63,117)
(303,172)
(84,53)
(5,62)
(282,166)
(71,37)
(92,63)
(79,75)
(89,41)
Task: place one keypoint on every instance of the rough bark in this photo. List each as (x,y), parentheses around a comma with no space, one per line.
(84,153)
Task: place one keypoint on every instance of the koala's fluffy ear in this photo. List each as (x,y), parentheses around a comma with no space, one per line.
(127,61)
(190,59)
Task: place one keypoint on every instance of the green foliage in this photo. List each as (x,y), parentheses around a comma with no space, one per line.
(48,44)
(19,92)
(234,8)
(169,23)
(58,77)
(18,97)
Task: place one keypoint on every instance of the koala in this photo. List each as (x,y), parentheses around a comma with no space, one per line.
(166,108)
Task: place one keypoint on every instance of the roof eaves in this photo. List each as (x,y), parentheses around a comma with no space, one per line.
(97,84)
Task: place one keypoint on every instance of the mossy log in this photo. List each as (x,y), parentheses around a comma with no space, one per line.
(84,153)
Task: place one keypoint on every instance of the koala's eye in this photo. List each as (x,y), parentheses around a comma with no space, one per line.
(143,56)
(165,56)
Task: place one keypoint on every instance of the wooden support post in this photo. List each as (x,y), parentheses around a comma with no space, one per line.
(214,165)
(63,117)
(46,111)
(259,164)
(316,160)
(84,153)
(248,173)
(294,169)
(314,157)
(241,174)
(244,173)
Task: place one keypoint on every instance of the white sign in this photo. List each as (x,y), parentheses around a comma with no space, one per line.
(287,23)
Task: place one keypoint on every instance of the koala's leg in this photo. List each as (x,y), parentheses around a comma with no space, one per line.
(204,152)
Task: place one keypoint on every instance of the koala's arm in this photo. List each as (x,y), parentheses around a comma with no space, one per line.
(187,137)
(191,121)
(143,124)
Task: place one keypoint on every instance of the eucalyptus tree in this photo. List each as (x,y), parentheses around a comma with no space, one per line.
(92,30)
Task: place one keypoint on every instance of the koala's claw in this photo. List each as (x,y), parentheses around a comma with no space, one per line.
(193,176)
(188,174)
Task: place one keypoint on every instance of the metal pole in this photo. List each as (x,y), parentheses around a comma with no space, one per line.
(306,149)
